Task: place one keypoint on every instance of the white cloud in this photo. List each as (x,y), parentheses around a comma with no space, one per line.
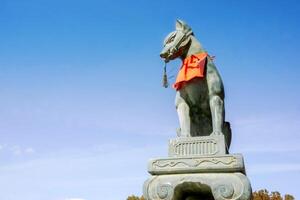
(16,150)
(279,125)
(29,150)
(266,134)
(273,168)
(78,174)
(2,146)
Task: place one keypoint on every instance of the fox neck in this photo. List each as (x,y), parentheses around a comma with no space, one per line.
(193,47)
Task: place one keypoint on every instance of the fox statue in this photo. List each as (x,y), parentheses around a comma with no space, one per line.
(199,88)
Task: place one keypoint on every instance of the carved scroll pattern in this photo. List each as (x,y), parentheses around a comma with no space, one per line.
(194,162)
(165,191)
(223,191)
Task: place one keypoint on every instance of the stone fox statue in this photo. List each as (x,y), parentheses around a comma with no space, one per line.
(200,91)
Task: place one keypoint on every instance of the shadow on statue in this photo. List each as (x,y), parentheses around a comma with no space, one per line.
(192,191)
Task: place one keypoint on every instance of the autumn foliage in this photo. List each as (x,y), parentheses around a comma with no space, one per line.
(265,195)
(135,198)
(258,195)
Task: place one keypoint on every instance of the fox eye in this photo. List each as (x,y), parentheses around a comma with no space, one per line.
(171,39)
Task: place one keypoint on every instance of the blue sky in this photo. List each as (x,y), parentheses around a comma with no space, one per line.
(82,108)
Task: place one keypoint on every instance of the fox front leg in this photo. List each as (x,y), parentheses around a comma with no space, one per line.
(183,111)
(216,97)
(217,114)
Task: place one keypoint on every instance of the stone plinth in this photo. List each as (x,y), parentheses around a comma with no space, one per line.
(207,186)
(198,168)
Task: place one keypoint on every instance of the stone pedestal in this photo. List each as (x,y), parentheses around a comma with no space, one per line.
(198,168)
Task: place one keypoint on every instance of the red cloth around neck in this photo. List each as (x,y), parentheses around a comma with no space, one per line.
(192,67)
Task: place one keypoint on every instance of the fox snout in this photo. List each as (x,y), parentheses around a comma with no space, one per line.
(163,54)
(167,53)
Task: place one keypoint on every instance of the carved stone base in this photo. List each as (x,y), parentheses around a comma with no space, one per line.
(198,168)
(197,164)
(206,186)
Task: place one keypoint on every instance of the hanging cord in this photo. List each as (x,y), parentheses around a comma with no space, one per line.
(172,72)
(165,77)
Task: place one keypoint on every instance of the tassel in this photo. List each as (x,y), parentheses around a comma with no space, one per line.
(165,77)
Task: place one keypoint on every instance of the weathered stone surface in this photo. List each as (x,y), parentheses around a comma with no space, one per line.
(200,93)
(210,186)
(200,164)
(196,146)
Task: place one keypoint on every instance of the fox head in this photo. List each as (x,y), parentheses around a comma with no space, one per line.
(176,42)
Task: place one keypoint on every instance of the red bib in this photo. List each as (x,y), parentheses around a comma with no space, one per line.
(192,67)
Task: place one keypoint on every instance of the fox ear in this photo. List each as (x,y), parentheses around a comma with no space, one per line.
(182,26)
(179,25)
